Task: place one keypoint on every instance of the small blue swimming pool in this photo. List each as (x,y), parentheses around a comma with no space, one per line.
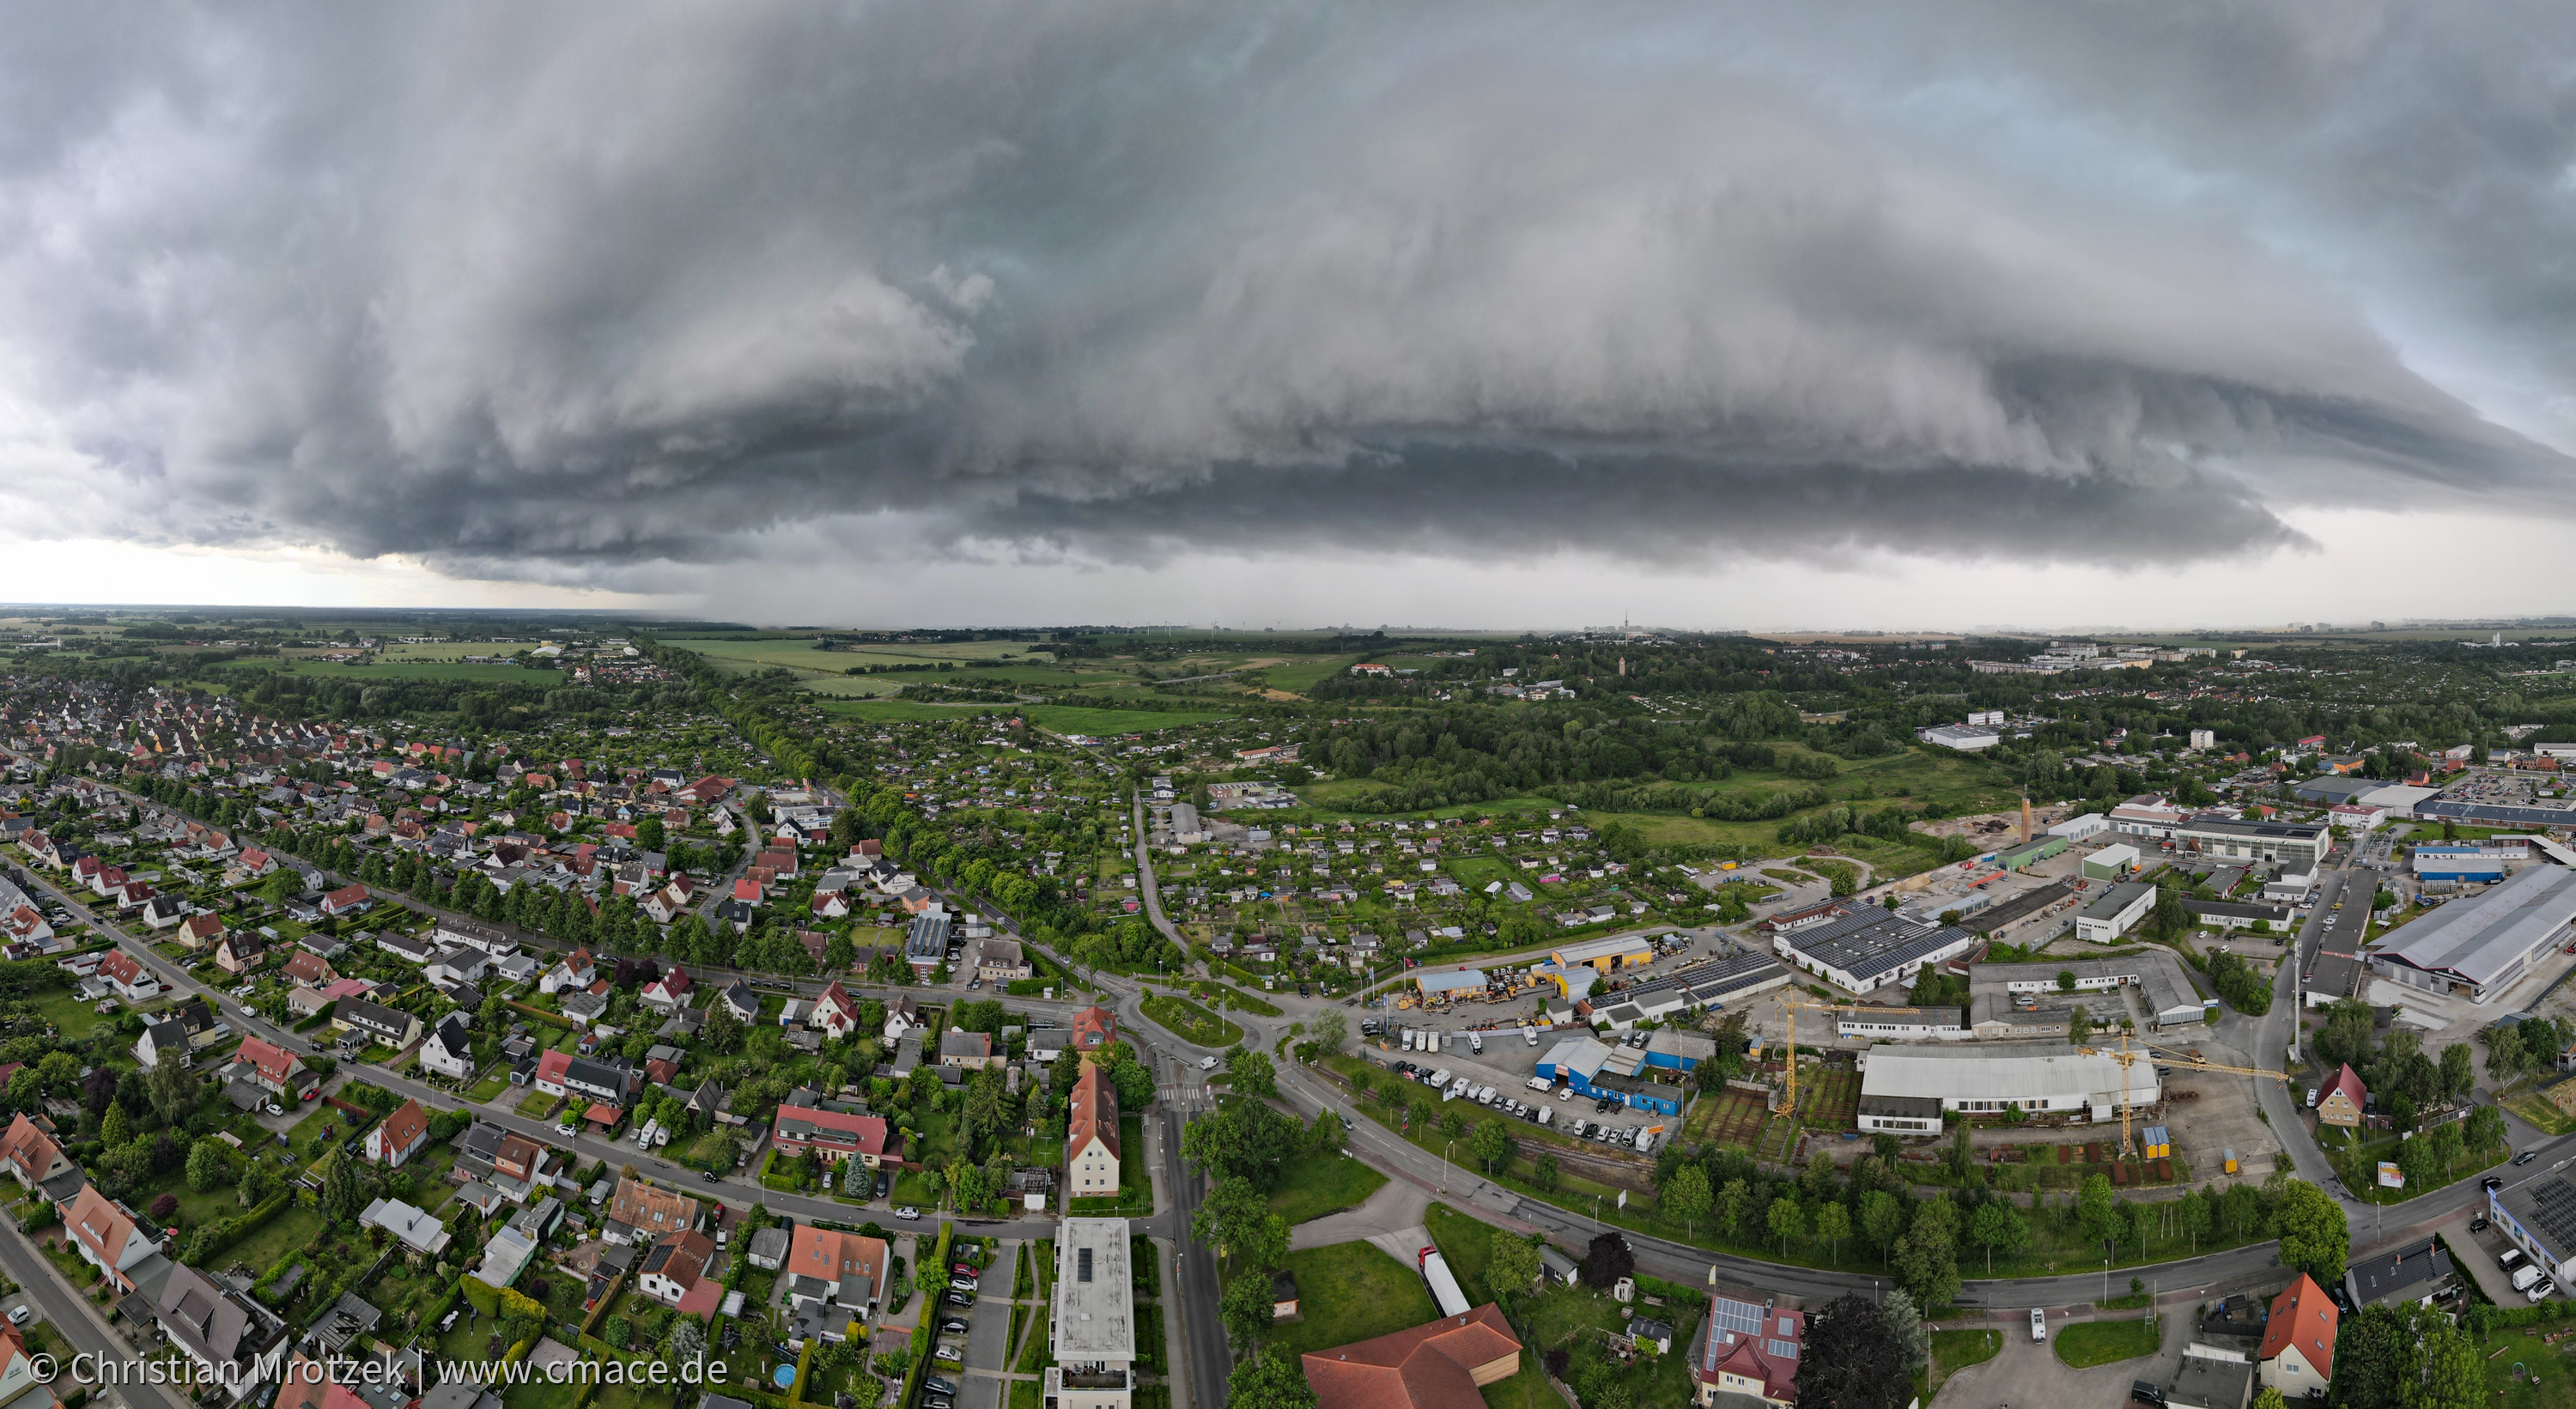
(785,1376)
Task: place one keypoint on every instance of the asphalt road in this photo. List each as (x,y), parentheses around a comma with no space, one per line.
(74,1318)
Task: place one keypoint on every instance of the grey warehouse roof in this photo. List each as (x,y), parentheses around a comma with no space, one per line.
(2490,937)
(1868,945)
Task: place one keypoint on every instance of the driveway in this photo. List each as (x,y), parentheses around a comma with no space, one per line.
(2029,1374)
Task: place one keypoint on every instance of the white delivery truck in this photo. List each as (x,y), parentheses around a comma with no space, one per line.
(1476,1043)
(2524,1276)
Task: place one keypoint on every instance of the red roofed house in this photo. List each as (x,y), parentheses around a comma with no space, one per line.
(17,1367)
(198,931)
(308,969)
(671,990)
(400,1136)
(30,1155)
(848,1270)
(836,1013)
(838,1134)
(277,1070)
(550,1072)
(106,1236)
(2298,1341)
(1091,1136)
(133,982)
(1443,1364)
(1751,1350)
(347,900)
(674,1265)
(1093,1028)
(257,862)
(2342,1100)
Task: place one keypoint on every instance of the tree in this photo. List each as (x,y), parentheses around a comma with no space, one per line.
(2194,1214)
(1850,1359)
(206,1167)
(347,1189)
(1606,1261)
(1514,1265)
(2079,1025)
(114,1129)
(686,1341)
(1997,1225)
(1330,1028)
(2486,1128)
(723,1031)
(1251,1074)
(2505,1055)
(2269,1397)
(1926,1258)
(2312,1232)
(1269,1379)
(2407,1357)
(1787,1221)
(2066,980)
(2445,1140)
(1905,1324)
(1833,1226)
(1543,1174)
(2098,1210)
(1686,1196)
(1882,1221)
(1491,1146)
(1246,1308)
(2459,1071)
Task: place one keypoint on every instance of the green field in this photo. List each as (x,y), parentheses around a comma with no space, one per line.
(1319,1183)
(2088,1343)
(1350,1292)
(1061,719)
(427,670)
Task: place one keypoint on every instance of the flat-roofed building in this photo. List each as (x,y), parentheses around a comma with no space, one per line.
(2478,947)
(1860,952)
(1992,1080)
(1091,1324)
(2296,845)
(2110,917)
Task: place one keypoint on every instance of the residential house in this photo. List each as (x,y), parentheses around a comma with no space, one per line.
(347,900)
(107,1238)
(1093,1028)
(1442,1364)
(513,1164)
(999,960)
(847,1271)
(2297,1355)
(309,970)
(305,1002)
(130,977)
(18,1371)
(574,971)
(399,1136)
(2343,1099)
(449,1051)
(423,1236)
(276,1070)
(835,1014)
(902,1016)
(391,1026)
(236,1342)
(639,1212)
(188,1028)
(669,991)
(739,997)
(411,949)
(970,1050)
(674,1266)
(1751,1349)
(609,1081)
(163,911)
(32,1156)
(1091,1136)
(241,952)
(837,1133)
(457,965)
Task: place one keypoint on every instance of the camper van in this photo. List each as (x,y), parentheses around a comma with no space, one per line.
(1529,1034)
(1476,1043)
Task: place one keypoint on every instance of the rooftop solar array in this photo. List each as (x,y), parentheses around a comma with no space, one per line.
(2553,1206)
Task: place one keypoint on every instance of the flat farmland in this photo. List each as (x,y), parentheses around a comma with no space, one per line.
(424,669)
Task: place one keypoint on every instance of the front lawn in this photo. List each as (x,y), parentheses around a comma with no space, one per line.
(488,1088)
(1190,1022)
(1351,1292)
(539,1106)
(2089,1343)
(1322,1182)
(1953,1351)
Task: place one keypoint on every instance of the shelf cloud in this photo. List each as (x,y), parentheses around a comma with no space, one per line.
(567,293)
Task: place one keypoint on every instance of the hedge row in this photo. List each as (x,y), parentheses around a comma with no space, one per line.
(212,1239)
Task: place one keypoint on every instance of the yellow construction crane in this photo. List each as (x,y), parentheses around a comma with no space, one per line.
(2154,1055)
(1789,1106)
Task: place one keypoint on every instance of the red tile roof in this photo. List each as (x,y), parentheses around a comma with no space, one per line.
(1431,1366)
(1094,1111)
(272,1062)
(2349,1083)
(2305,1314)
(1093,1028)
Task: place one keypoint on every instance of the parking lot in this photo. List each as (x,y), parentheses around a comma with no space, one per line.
(1500,1079)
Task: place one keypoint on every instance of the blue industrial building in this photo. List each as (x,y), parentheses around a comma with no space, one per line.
(1591,1068)
(2459,863)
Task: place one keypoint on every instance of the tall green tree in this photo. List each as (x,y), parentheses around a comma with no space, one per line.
(1997,1226)
(1851,1359)
(1686,1196)
(2313,1236)
(1268,1379)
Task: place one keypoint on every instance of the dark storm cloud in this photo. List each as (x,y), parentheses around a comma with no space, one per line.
(559,291)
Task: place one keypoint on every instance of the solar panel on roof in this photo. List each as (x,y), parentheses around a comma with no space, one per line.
(1781,1348)
(1743,1318)
(2554,1209)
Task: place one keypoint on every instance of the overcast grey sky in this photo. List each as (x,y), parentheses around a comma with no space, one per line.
(1478,313)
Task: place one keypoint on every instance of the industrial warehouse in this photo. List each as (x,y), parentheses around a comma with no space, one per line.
(2028,1002)
(1860,952)
(1906,1090)
(2477,946)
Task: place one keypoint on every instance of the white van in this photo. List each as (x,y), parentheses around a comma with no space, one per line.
(1408,1039)
(2524,1276)
(1547,1115)
(1461,1089)
(1207,1063)
(1539,1083)
(1476,1043)
(1529,1034)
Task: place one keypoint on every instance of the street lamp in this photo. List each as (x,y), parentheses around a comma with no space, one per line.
(1444,1165)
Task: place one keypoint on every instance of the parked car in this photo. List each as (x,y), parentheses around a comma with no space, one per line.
(907,1214)
(2526,1157)
(936,1385)
(2490,1183)
(2038,1323)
